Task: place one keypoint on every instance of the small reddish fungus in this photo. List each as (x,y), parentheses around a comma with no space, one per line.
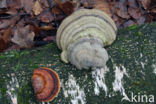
(46,84)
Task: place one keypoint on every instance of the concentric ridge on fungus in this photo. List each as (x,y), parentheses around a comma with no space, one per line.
(82,36)
(46,84)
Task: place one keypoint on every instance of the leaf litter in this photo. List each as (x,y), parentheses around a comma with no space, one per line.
(30,23)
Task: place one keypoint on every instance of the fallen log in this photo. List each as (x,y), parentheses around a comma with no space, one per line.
(130,74)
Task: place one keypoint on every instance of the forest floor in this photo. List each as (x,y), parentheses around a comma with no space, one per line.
(27,24)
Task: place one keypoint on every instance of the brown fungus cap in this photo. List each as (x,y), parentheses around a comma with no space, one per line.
(46,84)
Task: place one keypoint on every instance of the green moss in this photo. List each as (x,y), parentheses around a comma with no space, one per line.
(132,27)
(133,45)
(140,33)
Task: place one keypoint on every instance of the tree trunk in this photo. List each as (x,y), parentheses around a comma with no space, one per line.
(130,74)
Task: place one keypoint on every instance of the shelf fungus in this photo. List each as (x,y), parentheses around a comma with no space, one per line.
(82,37)
(46,84)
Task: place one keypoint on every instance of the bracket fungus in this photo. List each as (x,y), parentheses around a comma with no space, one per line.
(82,37)
(46,84)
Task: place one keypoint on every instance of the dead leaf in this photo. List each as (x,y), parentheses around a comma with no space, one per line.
(67,7)
(37,29)
(5,37)
(44,3)
(50,38)
(117,20)
(23,36)
(76,4)
(4,23)
(46,16)
(56,10)
(104,6)
(14,4)
(150,18)
(60,17)
(13,47)
(132,4)
(122,13)
(122,9)
(3,45)
(119,23)
(145,3)
(86,4)
(129,23)
(37,9)
(141,20)
(91,3)
(47,28)
(27,5)
(3,4)
(113,6)
(12,11)
(134,12)
(152,9)
(3,11)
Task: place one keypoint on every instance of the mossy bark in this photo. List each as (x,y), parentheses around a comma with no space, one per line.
(131,69)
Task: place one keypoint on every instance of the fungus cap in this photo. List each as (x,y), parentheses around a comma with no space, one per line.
(82,37)
(46,84)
